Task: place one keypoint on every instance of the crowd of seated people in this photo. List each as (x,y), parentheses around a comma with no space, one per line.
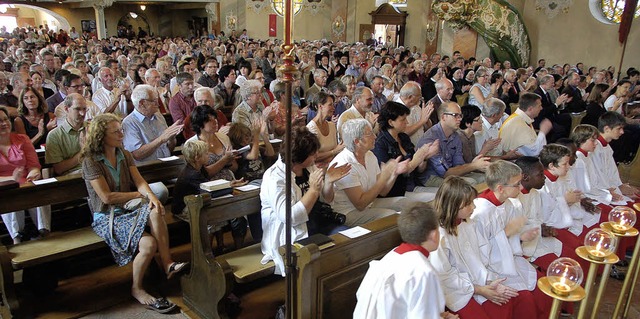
(375,129)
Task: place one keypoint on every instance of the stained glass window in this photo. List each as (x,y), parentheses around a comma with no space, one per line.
(612,10)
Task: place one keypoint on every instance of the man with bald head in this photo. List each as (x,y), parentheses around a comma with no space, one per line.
(361,108)
(65,142)
(449,161)
(418,119)
(108,98)
(444,91)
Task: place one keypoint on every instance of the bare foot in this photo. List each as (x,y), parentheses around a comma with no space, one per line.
(142,296)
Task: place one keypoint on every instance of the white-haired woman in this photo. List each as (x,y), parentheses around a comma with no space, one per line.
(356,195)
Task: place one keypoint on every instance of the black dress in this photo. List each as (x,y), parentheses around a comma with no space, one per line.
(33,130)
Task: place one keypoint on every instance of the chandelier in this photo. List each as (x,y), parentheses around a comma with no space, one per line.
(278,6)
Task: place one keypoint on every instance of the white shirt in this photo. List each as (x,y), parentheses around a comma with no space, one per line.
(400,285)
(359,175)
(602,158)
(327,142)
(537,212)
(488,132)
(505,253)
(558,189)
(103,98)
(272,198)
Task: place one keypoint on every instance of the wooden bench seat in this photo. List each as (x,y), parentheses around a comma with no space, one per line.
(245,264)
(59,245)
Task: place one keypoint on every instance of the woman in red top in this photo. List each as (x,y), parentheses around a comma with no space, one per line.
(19,162)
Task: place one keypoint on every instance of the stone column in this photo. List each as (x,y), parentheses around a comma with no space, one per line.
(98,7)
(212,15)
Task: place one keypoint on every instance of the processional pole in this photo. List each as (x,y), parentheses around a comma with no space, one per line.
(288,69)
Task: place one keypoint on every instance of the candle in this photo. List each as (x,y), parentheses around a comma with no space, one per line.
(619,227)
(561,288)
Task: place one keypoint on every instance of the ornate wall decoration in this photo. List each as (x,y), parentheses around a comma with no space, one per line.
(499,24)
(211,11)
(257,6)
(231,21)
(551,8)
(313,6)
(338,26)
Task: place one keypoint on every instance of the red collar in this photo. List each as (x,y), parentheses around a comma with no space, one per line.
(602,141)
(524,191)
(406,247)
(550,176)
(491,197)
(585,153)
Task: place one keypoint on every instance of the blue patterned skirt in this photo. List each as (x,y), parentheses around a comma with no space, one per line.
(122,223)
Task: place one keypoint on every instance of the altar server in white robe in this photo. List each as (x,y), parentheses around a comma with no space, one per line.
(471,288)
(403,284)
(496,222)
(544,214)
(557,162)
(611,127)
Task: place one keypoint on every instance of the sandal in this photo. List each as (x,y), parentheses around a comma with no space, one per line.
(616,273)
(161,305)
(175,268)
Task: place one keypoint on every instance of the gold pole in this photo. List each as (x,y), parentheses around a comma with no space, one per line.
(601,287)
(555,309)
(633,287)
(622,298)
(591,277)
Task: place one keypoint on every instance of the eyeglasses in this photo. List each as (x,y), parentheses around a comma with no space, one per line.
(456,115)
(79,86)
(476,120)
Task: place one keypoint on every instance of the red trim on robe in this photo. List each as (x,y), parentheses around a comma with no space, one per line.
(406,247)
(602,141)
(550,176)
(491,197)
(585,153)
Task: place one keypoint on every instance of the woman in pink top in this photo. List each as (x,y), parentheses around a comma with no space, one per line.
(19,162)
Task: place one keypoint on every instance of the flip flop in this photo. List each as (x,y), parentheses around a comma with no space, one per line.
(161,305)
(175,268)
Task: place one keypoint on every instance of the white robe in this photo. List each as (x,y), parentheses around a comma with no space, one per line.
(533,207)
(558,189)
(584,174)
(451,261)
(607,170)
(400,286)
(505,254)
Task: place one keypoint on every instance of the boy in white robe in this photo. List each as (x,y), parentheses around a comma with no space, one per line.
(544,213)
(611,127)
(403,284)
(497,222)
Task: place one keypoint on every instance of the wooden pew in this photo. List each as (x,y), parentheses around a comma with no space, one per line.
(212,278)
(328,279)
(630,172)
(58,245)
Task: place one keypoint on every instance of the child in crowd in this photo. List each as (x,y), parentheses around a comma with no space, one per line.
(584,172)
(196,154)
(472,289)
(403,284)
(501,225)
(251,165)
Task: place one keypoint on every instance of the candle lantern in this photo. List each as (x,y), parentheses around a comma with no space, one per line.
(564,275)
(622,218)
(599,244)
